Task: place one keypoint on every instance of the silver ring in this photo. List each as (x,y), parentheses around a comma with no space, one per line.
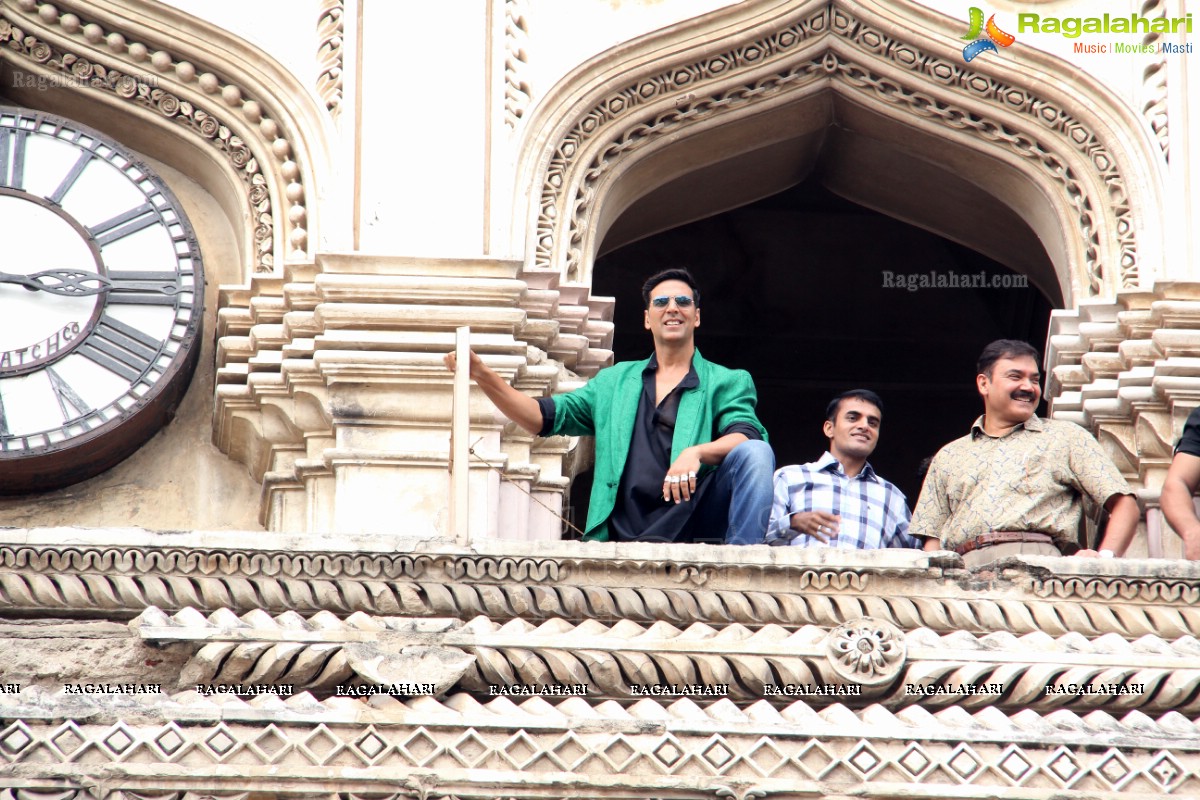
(691,475)
(673,479)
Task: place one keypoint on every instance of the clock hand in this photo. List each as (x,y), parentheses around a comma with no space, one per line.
(66,282)
(128,282)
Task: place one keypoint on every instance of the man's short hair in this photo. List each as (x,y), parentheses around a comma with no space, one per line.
(674,274)
(1004,348)
(866,395)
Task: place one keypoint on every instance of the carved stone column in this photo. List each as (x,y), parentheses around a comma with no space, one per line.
(1129,371)
(332,391)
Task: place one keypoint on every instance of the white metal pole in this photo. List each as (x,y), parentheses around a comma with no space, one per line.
(460,432)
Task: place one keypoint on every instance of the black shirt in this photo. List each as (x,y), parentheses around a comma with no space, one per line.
(641,513)
(1190,441)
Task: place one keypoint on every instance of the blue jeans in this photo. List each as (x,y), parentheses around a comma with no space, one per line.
(737,506)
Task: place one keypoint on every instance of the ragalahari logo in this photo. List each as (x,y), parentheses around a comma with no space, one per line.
(994,37)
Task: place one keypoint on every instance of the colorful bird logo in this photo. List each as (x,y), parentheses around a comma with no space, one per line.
(995,36)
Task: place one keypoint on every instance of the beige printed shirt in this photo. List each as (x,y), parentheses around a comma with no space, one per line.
(1031,479)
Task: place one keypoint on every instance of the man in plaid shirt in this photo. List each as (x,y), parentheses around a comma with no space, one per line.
(838,500)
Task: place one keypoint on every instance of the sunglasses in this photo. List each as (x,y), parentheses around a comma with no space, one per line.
(681,300)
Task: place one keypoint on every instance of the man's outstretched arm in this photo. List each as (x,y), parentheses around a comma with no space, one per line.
(1178,488)
(512,403)
(1123,516)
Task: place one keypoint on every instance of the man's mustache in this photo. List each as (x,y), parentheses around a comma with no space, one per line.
(1019,395)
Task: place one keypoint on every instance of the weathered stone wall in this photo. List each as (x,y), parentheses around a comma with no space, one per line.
(193,663)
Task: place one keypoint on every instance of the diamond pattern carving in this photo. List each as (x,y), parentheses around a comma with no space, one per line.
(688,749)
(1115,769)
(370,745)
(765,757)
(14,739)
(964,763)
(68,740)
(915,762)
(420,748)
(520,750)
(865,760)
(221,743)
(619,754)
(1166,771)
(320,746)
(271,745)
(668,753)
(119,741)
(816,760)
(1063,765)
(1014,765)
(718,755)
(570,753)
(470,750)
(170,742)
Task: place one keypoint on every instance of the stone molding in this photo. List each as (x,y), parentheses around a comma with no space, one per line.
(1154,88)
(517,91)
(426,748)
(253,121)
(81,573)
(470,744)
(330,53)
(1034,671)
(665,88)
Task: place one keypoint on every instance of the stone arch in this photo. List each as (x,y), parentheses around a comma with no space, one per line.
(209,104)
(1075,164)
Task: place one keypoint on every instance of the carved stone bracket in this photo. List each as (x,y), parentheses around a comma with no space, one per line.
(310,370)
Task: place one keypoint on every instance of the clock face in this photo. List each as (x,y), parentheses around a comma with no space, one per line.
(101,300)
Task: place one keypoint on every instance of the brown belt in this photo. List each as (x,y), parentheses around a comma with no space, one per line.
(1001,537)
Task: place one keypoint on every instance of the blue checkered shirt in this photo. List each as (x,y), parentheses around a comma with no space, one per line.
(873,511)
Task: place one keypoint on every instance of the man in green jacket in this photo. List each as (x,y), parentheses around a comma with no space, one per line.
(680,453)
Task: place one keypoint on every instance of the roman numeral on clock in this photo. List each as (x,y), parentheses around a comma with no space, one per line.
(125,224)
(67,396)
(85,158)
(120,348)
(12,159)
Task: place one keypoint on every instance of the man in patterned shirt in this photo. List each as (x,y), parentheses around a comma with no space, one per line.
(1015,483)
(838,500)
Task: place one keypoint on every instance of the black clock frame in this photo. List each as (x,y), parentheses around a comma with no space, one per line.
(53,465)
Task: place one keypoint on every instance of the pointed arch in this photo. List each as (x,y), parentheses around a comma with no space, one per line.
(1035,135)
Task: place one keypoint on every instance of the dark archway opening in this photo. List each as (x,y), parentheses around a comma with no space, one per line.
(795,290)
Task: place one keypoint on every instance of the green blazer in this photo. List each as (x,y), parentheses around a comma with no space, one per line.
(607,408)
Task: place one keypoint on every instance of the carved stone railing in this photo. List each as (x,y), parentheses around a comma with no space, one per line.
(362,665)
(118,574)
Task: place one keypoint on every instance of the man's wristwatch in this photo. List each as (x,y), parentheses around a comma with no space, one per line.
(1106,554)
